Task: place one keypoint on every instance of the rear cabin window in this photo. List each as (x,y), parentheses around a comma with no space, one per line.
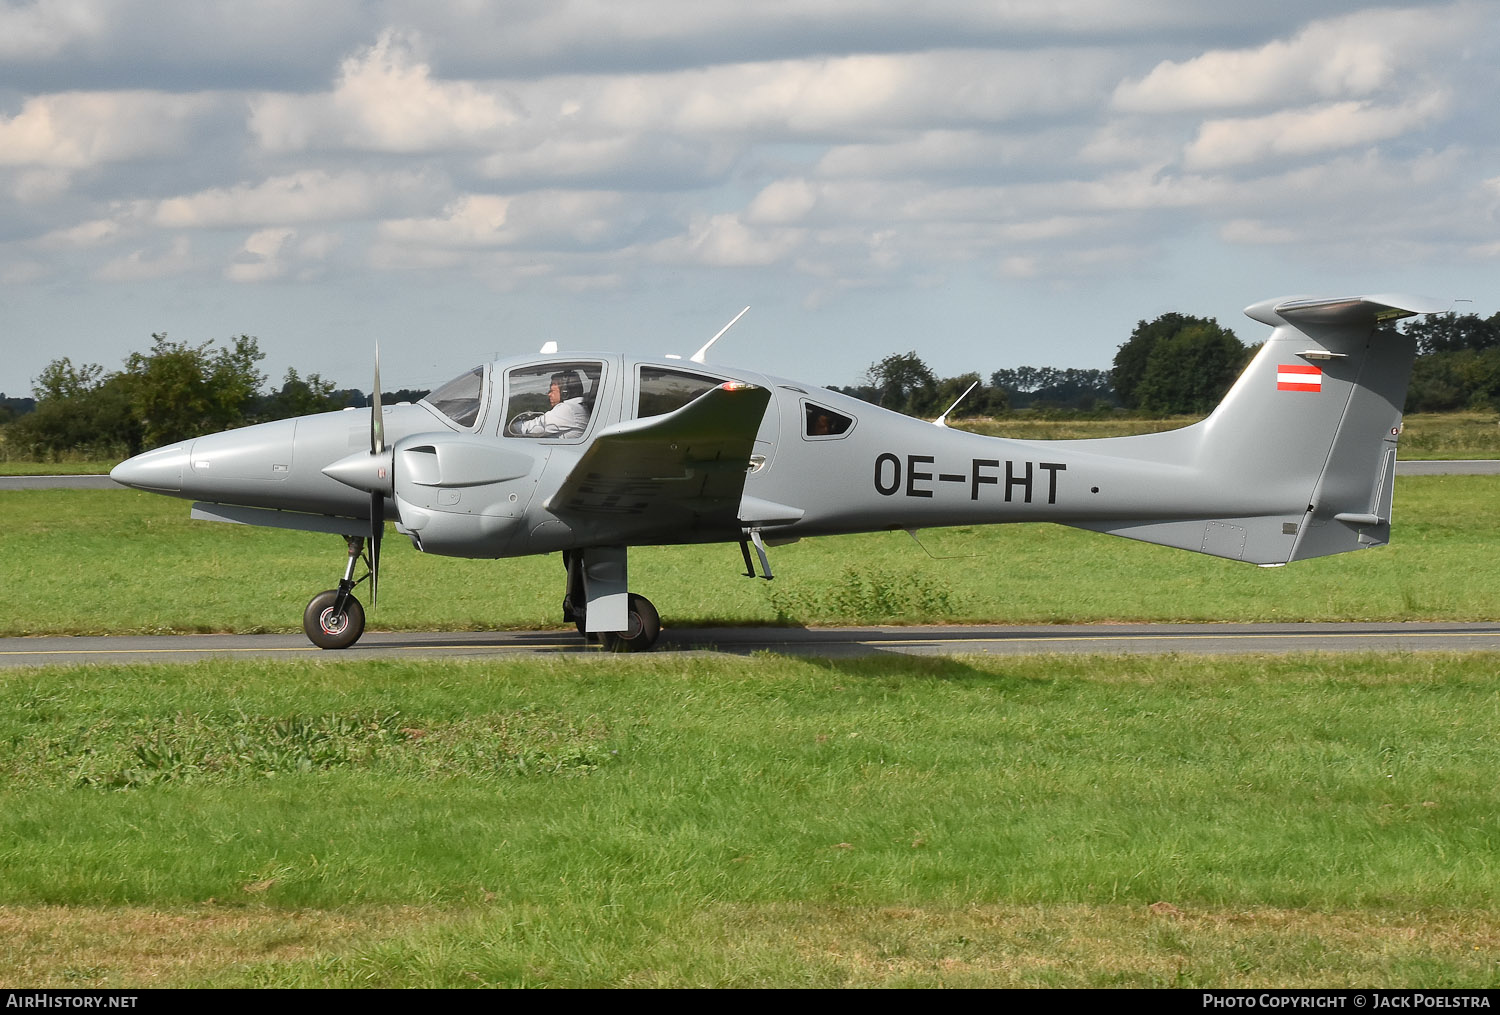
(821,421)
(460,398)
(662,390)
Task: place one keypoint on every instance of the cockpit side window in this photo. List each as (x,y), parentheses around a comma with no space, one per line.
(661,390)
(460,398)
(821,422)
(551,399)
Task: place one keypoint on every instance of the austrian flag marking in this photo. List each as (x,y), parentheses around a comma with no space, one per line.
(1298,377)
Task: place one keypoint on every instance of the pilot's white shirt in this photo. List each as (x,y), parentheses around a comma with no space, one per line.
(567,418)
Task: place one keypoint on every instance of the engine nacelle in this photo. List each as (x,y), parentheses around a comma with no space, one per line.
(464,496)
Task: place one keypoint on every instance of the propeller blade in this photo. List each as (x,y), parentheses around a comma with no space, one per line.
(377,416)
(377,529)
(377,500)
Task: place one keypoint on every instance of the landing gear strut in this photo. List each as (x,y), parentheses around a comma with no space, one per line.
(334,618)
(575,599)
(597,586)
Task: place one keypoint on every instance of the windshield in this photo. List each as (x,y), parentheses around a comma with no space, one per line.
(460,398)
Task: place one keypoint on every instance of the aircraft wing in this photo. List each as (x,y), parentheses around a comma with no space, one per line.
(683,469)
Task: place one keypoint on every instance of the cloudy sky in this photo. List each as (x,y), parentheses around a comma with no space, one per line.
(991,184)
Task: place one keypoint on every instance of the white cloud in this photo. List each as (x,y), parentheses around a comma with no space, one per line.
(311,195)
(43,28)
(82,236)
(40,186)
(76,130)
(475,220)
(1255,232)
(839,94)
(147,263)
(782,202)
(386,99)
(545,219)
(318,246)
(725,241)
(260,258)
(808,147)
(638,161)
(1301,132)
(1347,57)
(22,272)
(986,152)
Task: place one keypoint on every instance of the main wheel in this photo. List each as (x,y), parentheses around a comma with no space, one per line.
(645,628)
(327,629)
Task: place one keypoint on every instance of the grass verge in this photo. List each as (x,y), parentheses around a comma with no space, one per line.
(1296,821)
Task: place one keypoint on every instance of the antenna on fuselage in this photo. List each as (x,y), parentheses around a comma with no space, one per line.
(702,354)
(943,419)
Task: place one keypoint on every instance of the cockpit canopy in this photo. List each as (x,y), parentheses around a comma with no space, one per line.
(460,398)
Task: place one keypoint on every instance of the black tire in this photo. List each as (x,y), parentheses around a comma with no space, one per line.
(645,628)
(326,630)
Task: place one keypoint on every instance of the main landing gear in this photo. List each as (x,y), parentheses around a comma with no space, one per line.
(335,619)
(598,604)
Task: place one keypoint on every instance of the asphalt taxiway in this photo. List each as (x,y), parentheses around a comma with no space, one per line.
(835,642)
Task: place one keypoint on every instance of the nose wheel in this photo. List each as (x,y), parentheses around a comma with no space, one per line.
(327,626)
(334,618)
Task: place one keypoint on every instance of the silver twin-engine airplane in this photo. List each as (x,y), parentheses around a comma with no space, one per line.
(592,453)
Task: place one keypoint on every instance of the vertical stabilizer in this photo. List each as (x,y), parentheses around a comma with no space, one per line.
(1298,460)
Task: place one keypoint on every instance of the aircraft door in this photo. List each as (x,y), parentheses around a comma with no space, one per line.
(769,436)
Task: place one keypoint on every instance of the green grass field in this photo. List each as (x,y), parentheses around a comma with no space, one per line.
(683,820)
(129,562)
(1304,821)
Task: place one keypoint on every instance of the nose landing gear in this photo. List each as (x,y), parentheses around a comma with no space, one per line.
(334,618)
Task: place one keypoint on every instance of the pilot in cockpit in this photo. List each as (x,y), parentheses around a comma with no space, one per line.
(568,416)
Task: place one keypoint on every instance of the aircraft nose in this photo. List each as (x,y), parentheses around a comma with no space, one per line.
(160,469)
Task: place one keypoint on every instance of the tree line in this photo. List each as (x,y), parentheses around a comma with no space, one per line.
(175,391)
(1179,364)
(1175,364)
